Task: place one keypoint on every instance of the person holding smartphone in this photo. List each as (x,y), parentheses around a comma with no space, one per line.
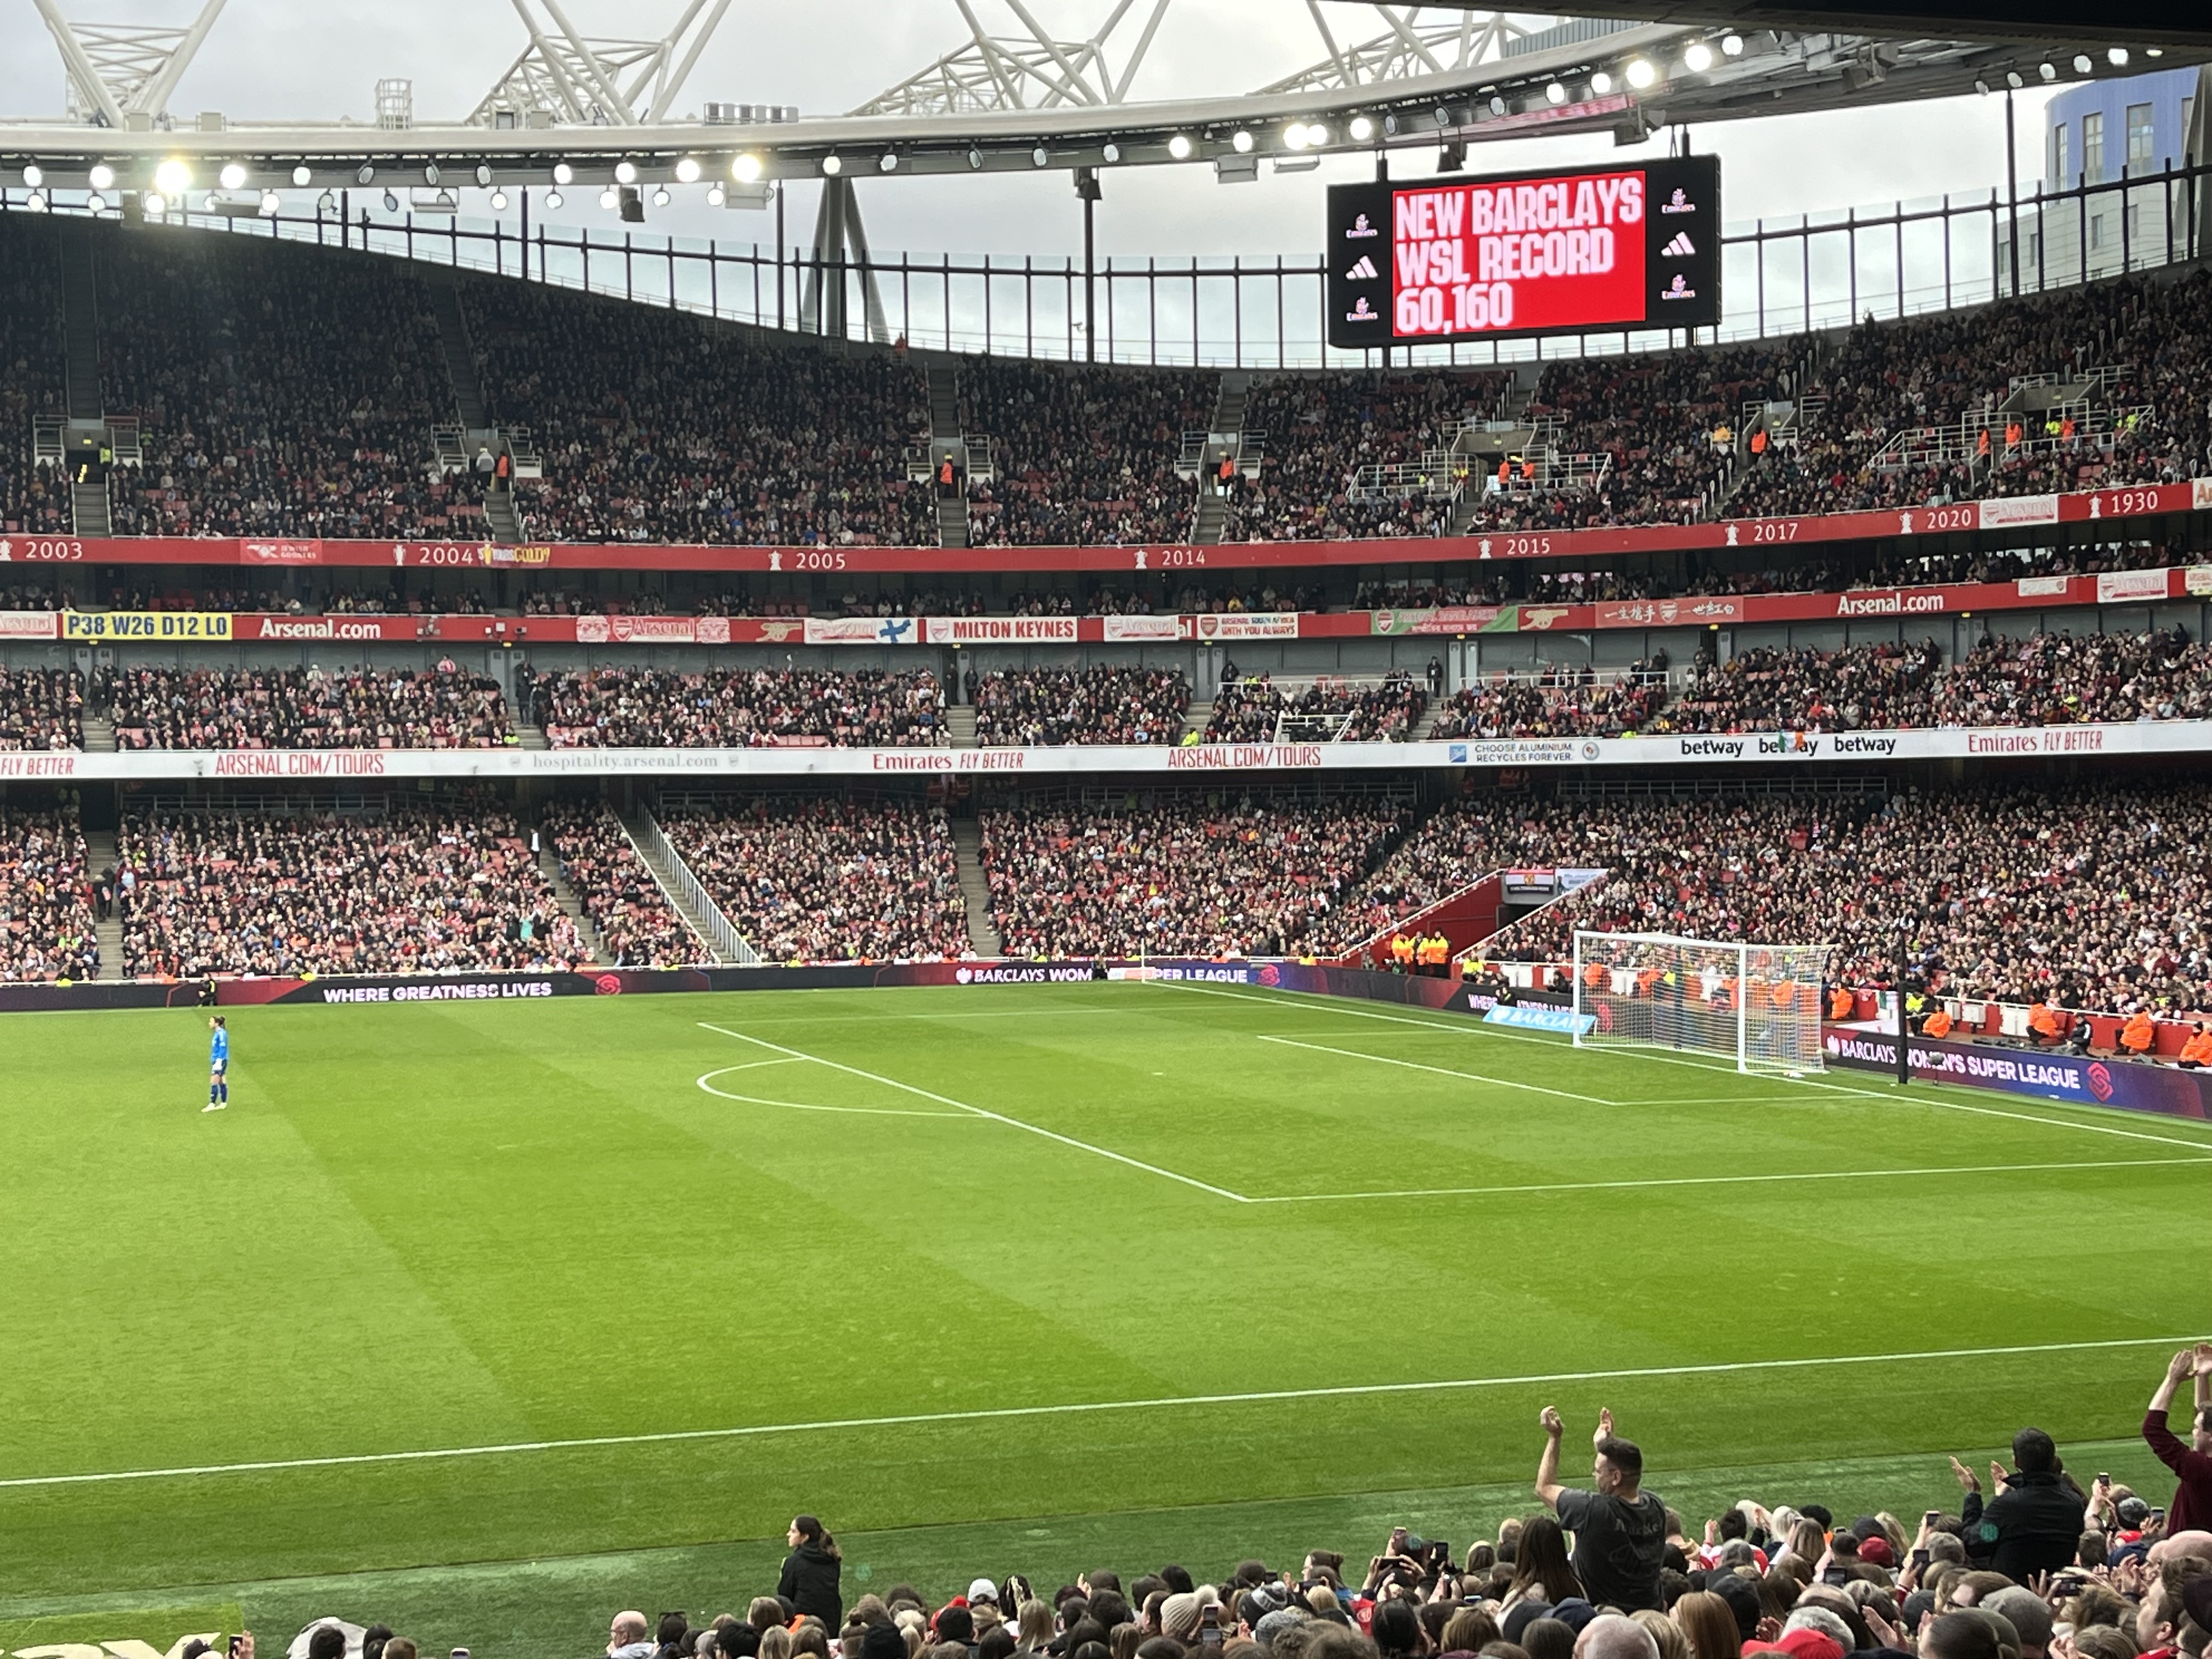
(2191,1463)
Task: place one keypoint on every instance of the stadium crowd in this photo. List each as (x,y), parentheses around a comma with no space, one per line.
(1052,705)
(417,890)
(1554,702)
(739,708)
(1329,708)
(2036,1565)
(1081,459)
(817,879)
(636,925)
(280,390)
(34,499)
(1178,875)
(653,426)
(40,709)
(48,926)
(302,709)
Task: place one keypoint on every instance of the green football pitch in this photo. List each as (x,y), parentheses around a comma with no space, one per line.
(490,1318)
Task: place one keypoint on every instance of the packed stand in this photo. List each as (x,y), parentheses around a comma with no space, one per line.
(40,709)
(280,391)
(740,708)
(638,928)
(1554,702)
(49,929)
(419,890)
(1081,459)
(1328,709)
(654,427)
(809,879)
(1766,689)
(1321,429)
(1179,877)
(34,500)
(2056,679)
(302,709)
(2094,897)
(1023,706)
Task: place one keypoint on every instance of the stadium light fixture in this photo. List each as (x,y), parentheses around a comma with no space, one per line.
(1242,143)
(303,175)
(1390,125)
(2012,79)
(1601,83)
(1179,147)
(2153,51)
(1111,154)
(746,168)
(390,202)
(563,173)
(1641,74)
(625,173)
(430,173)
(364,173)
(1294,135)
(33,176)
(1443,116)
(232,176)
(1555,93)
(2047,70)
(832,166)
(661,195)
(1731,46)
(102,176)
(1981,88)
(36,202)
(271,204)
(208,202)
(1040,156)
(1361,128)
(327,202)
(888,162)
(483,175)
(172,178)
(716,195)
(975,160)
(498,201)
(1317,134)
(553,199)
(2117,56)
(1496,104)
(96,203)
(1699,59)
(687,170)
(151,201)
(609,197)
(2081,63)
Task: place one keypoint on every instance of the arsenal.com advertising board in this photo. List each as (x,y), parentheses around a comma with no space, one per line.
(1526,253)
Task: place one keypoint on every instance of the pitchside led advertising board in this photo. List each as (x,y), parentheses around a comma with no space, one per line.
(1526,253)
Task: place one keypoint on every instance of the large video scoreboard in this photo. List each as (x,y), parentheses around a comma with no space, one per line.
(1526,253)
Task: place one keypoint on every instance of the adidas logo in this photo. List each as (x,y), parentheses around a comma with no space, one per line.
(1681,248)
(1363,270)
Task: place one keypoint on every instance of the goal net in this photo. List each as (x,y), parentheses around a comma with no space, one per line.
(1758,1005)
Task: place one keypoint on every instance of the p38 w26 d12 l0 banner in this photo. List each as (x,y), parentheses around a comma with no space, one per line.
(1523,254)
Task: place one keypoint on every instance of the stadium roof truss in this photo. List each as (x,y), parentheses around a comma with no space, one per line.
(1017,95)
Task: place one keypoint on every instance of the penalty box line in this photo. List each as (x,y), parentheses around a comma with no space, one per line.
(979,1111)
(1917,1097)
(1083,1408)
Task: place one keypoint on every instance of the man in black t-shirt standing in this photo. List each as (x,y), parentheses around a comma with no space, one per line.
(1621,1530)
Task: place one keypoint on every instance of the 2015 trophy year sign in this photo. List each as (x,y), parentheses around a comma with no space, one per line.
(1521,253)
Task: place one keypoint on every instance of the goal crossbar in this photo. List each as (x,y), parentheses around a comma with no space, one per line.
(1755,1004)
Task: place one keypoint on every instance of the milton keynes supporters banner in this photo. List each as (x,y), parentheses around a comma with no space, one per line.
(343,765)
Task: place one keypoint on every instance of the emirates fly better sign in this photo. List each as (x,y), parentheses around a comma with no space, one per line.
(1526,253)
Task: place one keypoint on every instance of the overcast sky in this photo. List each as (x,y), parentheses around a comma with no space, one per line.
(320,59)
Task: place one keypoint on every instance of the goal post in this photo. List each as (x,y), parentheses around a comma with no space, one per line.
(1757,1005)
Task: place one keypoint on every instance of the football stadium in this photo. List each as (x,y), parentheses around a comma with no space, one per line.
(1250,831)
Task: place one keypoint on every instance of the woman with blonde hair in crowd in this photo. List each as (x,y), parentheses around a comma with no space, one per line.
(1673,1644)
(1033,1627)
(1708,1624)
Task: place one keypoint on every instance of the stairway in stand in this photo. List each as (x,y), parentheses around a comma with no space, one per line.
(99,735)
(101,855)
(573,906)
(974,892)
(530,736)
(1198,716)
(960,727)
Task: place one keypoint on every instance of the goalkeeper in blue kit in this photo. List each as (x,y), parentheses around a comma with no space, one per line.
(218,1066)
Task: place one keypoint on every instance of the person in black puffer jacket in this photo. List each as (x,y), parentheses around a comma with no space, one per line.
(811,1572)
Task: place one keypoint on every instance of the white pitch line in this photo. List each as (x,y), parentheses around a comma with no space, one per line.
(996,1117)
(1083,1408)
(706,1083)
(1473,1028)
(1730,1181)
(1441,1071)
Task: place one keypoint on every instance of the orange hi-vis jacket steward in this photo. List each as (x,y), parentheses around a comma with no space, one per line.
(1435,950)
(1402,949)
(2043,1021)
(2137,1035)
(1938,1024)
(1594,976)
(2198,1049)
(1843,1003)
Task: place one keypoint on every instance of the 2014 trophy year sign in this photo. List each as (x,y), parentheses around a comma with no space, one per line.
(1522,254)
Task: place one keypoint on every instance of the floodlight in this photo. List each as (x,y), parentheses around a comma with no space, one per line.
(1242,143)
(2117,56)
(1601,83)
(2047,70)
(327,202)
(1294,135)
(1699,59)
(1555,93)
(2081,63)
(33,176)
(1179,147)
(484,173)
(1040,156)
(831,165)
(2012,79)
(610,196)
(888,162)
(661,195)
(390,202)
(271,204)
(102,176)
(625,173)
(1317,134)
(563,173)
(232,176)
(35,203)
(1497,105)
(553,200)
(716,195)
(1362,128)
(687,170)
(364,173)
(151,201)
(430,173)
(1732,45)
(172,178)
(498,201)
(302,175)
(745,169)
(96,203)
(1641,74)
(975,160)
(1111,152)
